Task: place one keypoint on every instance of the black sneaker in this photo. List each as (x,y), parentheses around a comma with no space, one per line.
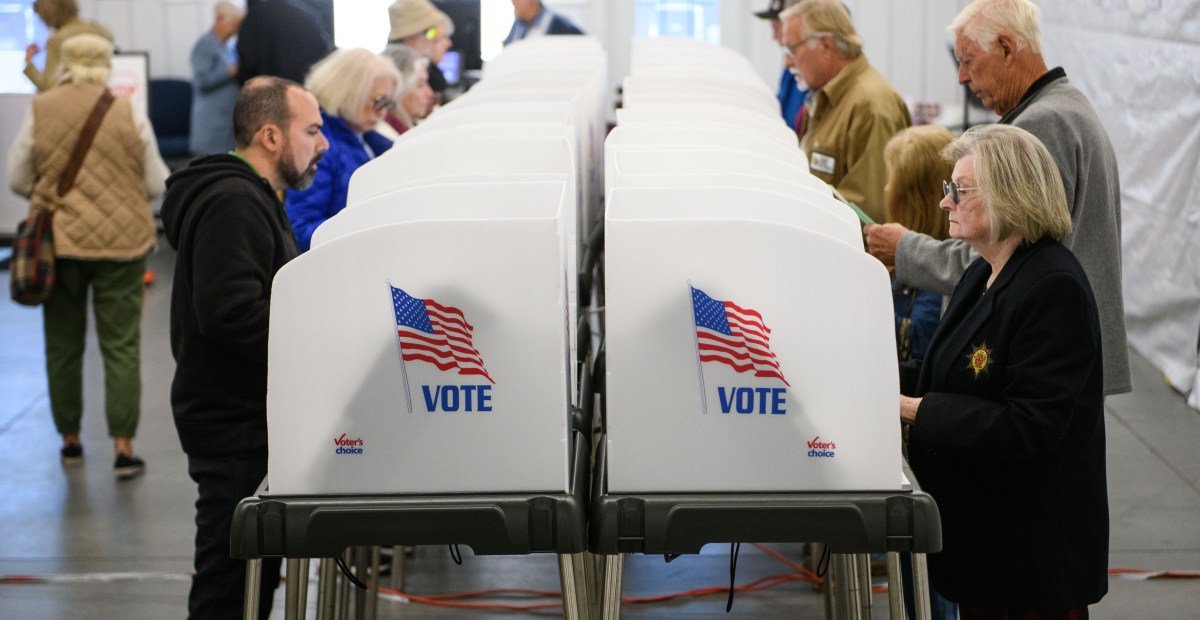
(72,454)
(128,466)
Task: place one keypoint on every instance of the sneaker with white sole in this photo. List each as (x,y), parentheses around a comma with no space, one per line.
(72,454)
(128,466)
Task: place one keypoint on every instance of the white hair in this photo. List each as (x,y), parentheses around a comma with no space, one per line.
(984,20)
(409,63)
(343,80)
(228,9)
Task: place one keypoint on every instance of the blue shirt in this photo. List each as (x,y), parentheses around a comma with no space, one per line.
(791,99)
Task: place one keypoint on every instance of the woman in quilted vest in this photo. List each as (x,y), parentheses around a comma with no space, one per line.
(103,230)
(355,89)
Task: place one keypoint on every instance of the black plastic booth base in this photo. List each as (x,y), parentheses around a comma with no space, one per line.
(682,523)
(295,526)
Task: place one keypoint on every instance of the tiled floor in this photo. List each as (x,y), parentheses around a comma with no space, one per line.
(81,521)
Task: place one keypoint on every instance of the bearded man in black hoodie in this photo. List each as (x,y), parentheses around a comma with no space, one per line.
(224,216)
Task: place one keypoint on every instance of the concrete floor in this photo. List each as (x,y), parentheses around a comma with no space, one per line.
(81,523)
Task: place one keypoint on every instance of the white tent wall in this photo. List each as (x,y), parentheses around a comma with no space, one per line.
(1139,63)
(1135,59)
(166,29)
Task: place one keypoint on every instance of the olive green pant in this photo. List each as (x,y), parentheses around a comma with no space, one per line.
(116,288)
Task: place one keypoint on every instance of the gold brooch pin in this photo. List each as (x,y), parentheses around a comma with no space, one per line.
(979,359)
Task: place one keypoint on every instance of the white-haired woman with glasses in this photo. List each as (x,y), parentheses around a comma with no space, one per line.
(1006,410)
(355,89)
(415,99)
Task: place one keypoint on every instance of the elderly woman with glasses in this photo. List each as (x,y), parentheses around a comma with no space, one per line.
(415,98)
(1005,413)
(355,89)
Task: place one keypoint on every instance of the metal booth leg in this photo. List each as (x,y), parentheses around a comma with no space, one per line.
(253,578)
(574,588)
(610,604)
(372,608)
(920,568)
(326,589)
(843,569)
(296,589)
(592,576)
(895,587)
(863,562)
(398,567)
(360,571)
(343,606)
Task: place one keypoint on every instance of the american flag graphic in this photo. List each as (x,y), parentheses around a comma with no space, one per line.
(440,335)
(735,336)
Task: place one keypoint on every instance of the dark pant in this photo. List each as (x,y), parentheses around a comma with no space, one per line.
(220,582)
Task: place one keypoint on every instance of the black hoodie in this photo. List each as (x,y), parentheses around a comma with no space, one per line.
(232,235)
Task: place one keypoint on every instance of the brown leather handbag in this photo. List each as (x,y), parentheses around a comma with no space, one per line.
(31,274)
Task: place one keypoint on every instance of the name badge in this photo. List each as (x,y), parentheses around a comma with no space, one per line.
(822,163)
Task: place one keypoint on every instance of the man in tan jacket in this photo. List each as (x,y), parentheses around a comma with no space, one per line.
(852,110)
(103,229)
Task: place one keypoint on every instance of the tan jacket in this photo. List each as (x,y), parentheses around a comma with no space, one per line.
(106,214)
(45,80)
(849,121)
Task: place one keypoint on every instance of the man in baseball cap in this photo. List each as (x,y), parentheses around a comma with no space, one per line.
(791,94)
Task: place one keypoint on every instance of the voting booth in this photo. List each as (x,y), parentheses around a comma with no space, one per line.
(431,357)
(750,359)
(425,342)
(422,376)
(748,337)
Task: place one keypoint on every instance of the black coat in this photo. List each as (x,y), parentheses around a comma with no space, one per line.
(283,38)
(1009,436)
(232,237)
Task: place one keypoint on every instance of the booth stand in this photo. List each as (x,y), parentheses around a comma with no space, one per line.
(851,524)
(301,527)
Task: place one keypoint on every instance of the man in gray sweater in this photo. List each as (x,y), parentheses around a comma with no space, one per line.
(999,49)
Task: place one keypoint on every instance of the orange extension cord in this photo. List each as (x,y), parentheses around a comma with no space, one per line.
(462,600)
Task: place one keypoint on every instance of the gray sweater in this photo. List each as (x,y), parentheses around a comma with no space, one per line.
(1063,119)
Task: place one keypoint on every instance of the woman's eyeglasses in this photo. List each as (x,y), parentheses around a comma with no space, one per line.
(952,190)
(383,103)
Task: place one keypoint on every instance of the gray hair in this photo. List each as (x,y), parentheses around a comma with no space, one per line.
(228,9)
(342,81)
(1018,180)
(410,64)
(984,20)
(828,18)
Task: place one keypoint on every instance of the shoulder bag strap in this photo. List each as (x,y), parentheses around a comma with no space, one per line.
(67,180)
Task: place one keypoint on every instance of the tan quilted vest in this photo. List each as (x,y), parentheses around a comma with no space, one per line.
(106,214)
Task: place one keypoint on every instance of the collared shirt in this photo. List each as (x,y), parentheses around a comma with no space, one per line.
(535,26)
(1038,84)
(849,121)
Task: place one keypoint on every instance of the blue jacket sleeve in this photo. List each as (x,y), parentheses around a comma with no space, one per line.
(307,209)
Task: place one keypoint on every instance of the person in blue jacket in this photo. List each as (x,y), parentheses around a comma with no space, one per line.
(355,89)
(534,19)
(791,93)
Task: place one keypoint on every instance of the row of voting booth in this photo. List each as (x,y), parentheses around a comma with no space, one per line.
(526,333)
